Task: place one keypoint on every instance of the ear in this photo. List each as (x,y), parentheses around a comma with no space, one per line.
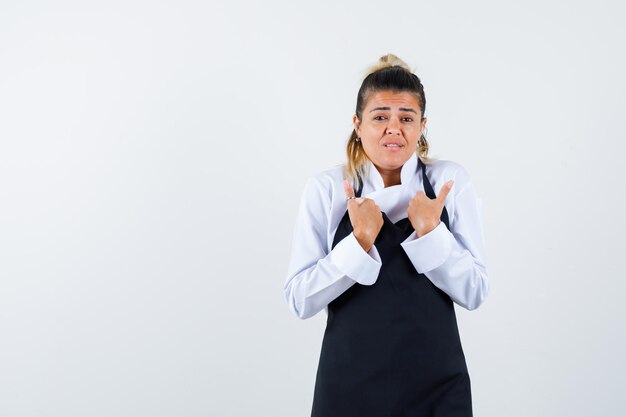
(423,126)
(356,122)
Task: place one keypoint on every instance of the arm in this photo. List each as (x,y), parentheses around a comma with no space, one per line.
(454,260)
(315,276)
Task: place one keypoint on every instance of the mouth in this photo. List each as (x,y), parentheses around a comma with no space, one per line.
(393,146)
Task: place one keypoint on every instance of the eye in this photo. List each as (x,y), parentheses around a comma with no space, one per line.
(378,117)
(408,119)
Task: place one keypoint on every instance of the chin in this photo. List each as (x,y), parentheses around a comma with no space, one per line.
(389,164)
(398,159)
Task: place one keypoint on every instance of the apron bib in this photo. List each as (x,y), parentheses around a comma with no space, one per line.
(392,349)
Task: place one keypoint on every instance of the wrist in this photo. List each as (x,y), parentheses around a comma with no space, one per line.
(426,228)
(365,243)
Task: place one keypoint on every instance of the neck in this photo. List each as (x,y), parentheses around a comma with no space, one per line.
(390,176)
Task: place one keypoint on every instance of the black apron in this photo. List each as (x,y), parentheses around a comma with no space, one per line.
(392,349)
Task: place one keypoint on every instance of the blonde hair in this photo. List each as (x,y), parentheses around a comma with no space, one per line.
(389,73)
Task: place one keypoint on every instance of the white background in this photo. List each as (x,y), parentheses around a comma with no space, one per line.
(152,157)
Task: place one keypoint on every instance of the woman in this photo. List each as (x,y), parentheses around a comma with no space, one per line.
(386,258)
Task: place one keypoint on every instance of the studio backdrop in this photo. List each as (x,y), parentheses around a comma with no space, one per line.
(153,156)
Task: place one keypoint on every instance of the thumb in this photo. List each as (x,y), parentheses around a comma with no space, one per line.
(443,192)
(347,188)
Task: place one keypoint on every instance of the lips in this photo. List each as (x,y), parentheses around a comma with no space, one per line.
(394,145)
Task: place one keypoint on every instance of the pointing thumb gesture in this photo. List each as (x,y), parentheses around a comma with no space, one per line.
(347,188)
(424,213)
(365,216)
(443,193)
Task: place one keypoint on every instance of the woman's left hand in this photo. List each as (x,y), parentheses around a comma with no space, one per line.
(424,212)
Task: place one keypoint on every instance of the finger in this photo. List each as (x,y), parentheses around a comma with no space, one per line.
(445,189)
(347,188)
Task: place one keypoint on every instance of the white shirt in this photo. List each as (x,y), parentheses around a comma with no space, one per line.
(453,260)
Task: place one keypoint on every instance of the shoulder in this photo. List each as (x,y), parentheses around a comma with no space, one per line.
(326,183)
(321,195)
(446,167)
(441,170)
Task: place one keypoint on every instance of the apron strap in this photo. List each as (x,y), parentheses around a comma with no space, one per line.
(431,193)
(357,193)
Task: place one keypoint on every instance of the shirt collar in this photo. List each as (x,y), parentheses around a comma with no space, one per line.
(406,174)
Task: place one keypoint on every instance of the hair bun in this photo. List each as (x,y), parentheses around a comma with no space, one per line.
(388,61)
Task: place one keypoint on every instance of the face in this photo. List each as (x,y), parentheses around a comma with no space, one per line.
(390,128)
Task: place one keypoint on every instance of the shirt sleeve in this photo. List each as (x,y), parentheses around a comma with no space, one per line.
(454,260)
(315,275)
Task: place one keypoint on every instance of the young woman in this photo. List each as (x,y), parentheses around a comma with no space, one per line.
(387,257)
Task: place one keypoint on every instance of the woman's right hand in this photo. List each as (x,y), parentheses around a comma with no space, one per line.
(365,216)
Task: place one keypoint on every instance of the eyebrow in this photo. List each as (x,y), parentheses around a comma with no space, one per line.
(389,108)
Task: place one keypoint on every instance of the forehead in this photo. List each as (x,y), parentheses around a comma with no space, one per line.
(392,99)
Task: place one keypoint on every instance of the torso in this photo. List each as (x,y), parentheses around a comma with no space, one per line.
(392,348)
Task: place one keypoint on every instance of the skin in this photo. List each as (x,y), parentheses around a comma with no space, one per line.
(399,122)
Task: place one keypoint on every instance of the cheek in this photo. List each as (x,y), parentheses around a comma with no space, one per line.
(371,146)
(372,134)
(368,143)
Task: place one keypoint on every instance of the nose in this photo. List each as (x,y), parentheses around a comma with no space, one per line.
(393,127)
